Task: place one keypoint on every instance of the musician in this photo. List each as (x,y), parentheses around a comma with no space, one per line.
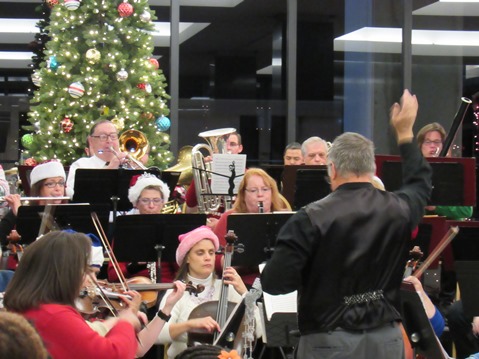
(46,180)
(345,253)
(315,151)
(196,257)
(430,139)
(147,194)
(255,187)
(234,147)
(292,154)
(44,288)
(102,137)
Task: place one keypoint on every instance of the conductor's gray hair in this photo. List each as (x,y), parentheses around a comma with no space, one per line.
(352,154)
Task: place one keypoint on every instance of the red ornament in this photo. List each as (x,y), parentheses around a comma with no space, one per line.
(125,9)
(51,3)
(141,86)
(67,124)
(155,63)
(30,162)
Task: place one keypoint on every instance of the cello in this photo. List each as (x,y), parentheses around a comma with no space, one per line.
(221,309)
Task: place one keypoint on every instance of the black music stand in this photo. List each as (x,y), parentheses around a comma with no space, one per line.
(468,278)
(453,179)
(417,325)
(65,216)
(305,184)
(103,185)
(257,231)
(152,237)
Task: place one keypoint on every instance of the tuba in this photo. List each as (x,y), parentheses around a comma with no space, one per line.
(202,171)
(183,165)
(136,144)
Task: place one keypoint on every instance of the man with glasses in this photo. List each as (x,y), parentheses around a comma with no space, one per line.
(345,253)
(234,147)
(102,144)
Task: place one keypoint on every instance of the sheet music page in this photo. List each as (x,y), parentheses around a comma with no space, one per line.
(282,303)
(227,173)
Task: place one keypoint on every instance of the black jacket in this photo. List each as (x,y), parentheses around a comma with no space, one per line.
(345,254)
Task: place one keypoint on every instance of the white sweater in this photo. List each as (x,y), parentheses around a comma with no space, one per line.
(181,312)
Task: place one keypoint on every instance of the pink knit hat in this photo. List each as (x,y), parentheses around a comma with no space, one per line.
(188,240)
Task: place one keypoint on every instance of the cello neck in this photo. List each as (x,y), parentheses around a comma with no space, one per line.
(222,310)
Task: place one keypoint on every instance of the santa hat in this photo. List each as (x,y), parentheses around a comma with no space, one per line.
(140,182)
(47,170)
(96,258)
(188,241)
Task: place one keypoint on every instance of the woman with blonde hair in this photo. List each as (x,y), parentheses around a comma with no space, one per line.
(257,193)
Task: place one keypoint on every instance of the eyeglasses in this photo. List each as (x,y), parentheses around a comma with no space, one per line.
(147,201)
(232,144)
(103,138)
(257,190)
(54,184)
(435,143)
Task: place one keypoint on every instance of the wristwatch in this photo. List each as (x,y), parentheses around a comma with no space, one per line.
(163,316)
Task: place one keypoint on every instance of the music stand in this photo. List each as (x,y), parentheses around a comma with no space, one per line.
(101,185)
(66,216)
(152,237)
(257,231)
(453,179)
(305,184)
(417,325)
(468,278)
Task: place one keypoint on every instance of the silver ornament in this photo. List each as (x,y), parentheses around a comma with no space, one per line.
(121,75)
(145,16)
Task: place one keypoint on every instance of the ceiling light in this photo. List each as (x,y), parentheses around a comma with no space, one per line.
(424,42)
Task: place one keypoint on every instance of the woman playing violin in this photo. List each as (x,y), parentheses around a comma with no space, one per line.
(148,195)
(44,288)
(196,257)
(46,180)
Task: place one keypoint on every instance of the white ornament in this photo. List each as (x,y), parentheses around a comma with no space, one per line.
(122,75)
(72,4)
(145,16)
(76,90)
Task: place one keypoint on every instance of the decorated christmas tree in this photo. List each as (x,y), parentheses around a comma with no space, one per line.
(99,65)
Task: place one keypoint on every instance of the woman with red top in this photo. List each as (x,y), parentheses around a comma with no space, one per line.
(148,195)
(255,188)
(47,282)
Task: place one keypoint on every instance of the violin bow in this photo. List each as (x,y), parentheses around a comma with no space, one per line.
(448,237)
(111,255)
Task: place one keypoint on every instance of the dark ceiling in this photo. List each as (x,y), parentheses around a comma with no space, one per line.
(245,30)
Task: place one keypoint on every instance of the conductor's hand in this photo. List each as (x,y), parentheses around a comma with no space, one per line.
(403,115)
(231,276)
(206,323)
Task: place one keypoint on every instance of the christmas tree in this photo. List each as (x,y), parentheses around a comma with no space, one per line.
(99,65)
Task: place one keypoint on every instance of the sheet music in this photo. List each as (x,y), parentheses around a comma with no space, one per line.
(282,303)
(227,173)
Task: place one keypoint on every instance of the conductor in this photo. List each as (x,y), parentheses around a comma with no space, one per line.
(345,253)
